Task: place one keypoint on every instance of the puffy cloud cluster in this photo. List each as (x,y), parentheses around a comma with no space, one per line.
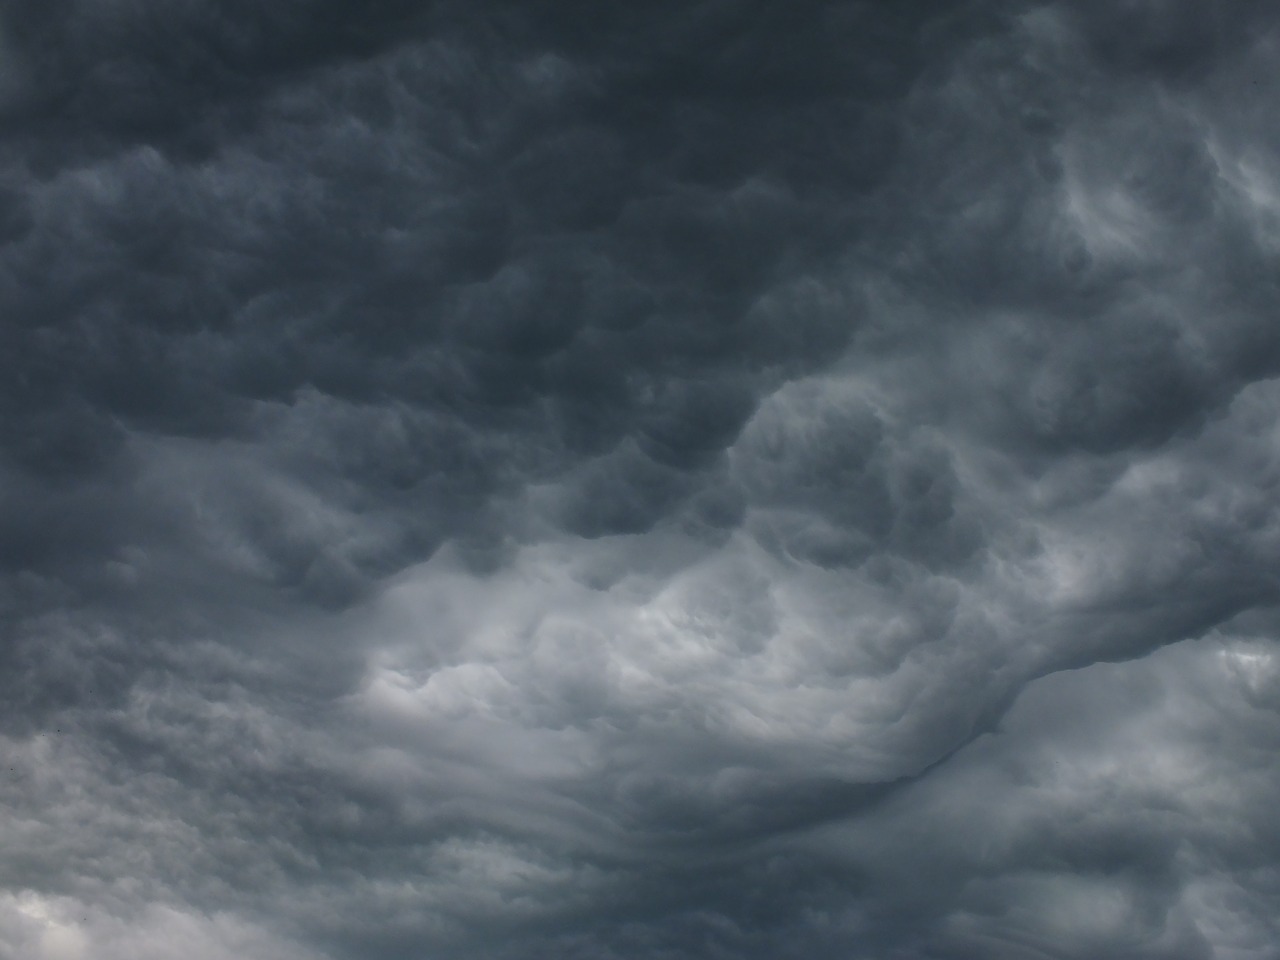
(714,480)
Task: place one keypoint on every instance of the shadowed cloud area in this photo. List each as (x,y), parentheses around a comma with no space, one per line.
(507,480)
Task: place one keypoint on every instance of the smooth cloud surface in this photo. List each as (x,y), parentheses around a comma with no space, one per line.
(679,480)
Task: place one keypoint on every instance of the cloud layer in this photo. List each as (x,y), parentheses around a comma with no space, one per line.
(689,480)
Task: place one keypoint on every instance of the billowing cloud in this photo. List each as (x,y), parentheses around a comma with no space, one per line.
(677,480)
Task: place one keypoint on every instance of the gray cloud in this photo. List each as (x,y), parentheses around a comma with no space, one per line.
(705,480)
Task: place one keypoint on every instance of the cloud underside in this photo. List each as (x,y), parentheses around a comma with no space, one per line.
(700,480)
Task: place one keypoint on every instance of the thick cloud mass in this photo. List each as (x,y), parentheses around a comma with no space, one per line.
(666,480)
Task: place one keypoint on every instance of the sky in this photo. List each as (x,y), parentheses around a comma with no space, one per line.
(704,480)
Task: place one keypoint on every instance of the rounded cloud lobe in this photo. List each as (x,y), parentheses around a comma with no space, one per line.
(696,480)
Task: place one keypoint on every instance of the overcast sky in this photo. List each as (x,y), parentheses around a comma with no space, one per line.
(700,480)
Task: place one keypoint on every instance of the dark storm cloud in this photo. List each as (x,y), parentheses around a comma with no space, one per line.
(713,480)
(393,234)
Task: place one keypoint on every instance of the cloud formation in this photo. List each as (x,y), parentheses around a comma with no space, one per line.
(681,480)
